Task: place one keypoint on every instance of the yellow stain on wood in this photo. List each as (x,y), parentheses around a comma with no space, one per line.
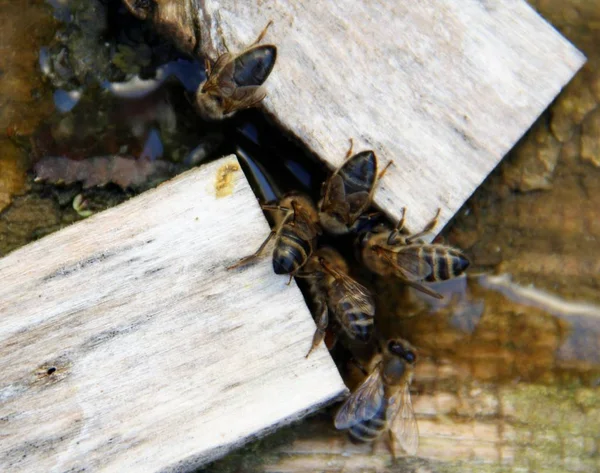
(225,180)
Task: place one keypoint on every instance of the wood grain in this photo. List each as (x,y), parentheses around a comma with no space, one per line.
(442,88)
(125,345)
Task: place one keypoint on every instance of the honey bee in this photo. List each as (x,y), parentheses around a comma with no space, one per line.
(348,192)
(334,290)
(235,82)
(382,402)
(388,252)
(296,231)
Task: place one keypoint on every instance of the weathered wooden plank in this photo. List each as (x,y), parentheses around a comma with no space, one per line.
(443,88)
(125,345)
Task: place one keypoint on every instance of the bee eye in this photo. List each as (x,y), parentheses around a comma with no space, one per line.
(396,348)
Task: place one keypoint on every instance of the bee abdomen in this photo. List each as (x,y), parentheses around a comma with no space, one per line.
(358,173)
(369,430)
(291,252)
(446,263)
(358,324)
(253,67)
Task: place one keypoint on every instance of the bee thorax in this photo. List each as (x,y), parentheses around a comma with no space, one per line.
(332,224)
(209,106)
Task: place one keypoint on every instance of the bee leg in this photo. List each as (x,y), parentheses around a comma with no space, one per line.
(207,67)
(305,275)
(349,152)
(430,226)
(220,31)
(275,207)
(360,366)
(322,322)
(392,445)
(262,33)
(331,339)
(382,173)
(289,280)
(256,254)
(393,238)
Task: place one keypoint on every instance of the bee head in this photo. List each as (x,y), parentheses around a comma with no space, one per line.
(209,106)
(402,349)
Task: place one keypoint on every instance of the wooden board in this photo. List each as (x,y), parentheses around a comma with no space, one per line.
(442,88)
(125,345)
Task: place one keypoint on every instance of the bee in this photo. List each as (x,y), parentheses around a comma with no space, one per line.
(334,290)
(296,231)
(348,192)
(388,252)
(382,402)
(235,82)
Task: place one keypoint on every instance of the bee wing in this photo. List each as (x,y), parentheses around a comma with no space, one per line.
(403,423)
(221,62)
(304,223)
(221,77)
(357,203)
(363,403)
(408,264)
(361,297)
(244,97)
(411,269)
(334,200)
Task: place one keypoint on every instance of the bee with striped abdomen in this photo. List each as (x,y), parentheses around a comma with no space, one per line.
(296,231)
(388,252)
(334,291)
(382,402)
(347,193)
(235,82)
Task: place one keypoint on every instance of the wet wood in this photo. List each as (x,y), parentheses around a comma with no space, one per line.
(444,89)
(125,345)
(507,382)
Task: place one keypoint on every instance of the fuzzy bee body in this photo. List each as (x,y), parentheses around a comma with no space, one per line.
(235,82)
(370,429)
(253,66)
(292,249)
(359,173)
(442,262)
(296,231)
(388,253)
(347,193)
(297,235)
(382,401)
(333,290)
(357,320)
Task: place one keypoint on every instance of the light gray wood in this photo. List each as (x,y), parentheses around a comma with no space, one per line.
(125,344)
(443,88)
